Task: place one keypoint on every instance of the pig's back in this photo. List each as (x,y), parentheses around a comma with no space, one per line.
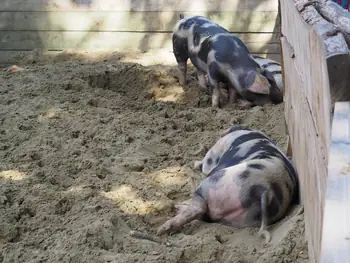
(249,145)
(231,50)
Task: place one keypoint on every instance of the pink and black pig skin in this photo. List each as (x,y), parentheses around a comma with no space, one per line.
(224,58)
(250,183)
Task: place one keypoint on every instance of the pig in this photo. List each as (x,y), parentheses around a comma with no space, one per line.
(250,183)
(273,67)
(224,58)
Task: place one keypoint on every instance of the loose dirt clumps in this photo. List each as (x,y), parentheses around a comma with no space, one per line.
(94,149)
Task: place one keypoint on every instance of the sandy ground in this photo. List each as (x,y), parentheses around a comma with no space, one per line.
(94,146)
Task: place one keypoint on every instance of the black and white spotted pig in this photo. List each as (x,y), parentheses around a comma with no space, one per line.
(224,58)
(250,183)
(273,67)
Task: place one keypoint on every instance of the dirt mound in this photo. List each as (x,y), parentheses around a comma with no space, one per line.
(91,150)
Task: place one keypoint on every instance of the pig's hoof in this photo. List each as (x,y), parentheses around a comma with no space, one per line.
(300,211)
(216,105)
(165,228)
(202,86)
(197,165)
(264,234)
(244,104)
(183,82)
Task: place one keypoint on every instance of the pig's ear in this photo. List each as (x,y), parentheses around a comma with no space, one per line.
(231,129)
(225,132)
(257,83)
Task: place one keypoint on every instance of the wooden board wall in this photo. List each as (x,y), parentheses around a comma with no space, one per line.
(308,116)
(129,24)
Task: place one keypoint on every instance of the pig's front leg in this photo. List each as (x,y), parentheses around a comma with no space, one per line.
(232,94)
(201,79)
(215,100)
(182,206)
(183,71)
(186,213)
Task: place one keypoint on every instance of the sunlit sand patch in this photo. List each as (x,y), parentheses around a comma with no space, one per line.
(76,189)
(152,57)
(169,176)
(52,113)
(127,201)
(12,175)
(169,94)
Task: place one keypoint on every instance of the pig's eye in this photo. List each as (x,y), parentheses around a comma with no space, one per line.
(209,161)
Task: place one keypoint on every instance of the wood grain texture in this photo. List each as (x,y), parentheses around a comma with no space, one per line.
(336,228)
(319,99)
(308,115)
(52,40)
(137,5)
(304,42)
(308,154)
(161,21)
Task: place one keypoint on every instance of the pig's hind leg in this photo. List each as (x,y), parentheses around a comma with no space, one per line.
(263,232)
(201,79)
(195,209)
(214,83)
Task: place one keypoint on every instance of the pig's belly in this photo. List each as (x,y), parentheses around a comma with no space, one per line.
(224,206)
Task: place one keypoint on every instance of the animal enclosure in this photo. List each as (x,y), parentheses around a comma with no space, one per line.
(95,146)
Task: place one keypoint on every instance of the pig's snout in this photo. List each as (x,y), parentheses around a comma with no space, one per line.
(276,93)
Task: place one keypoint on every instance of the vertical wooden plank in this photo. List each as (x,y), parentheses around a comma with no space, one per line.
(336,226)
(289,151)
(306,113)
(281,34)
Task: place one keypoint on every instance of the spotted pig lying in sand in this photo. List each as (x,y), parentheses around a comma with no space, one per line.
(250,183)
